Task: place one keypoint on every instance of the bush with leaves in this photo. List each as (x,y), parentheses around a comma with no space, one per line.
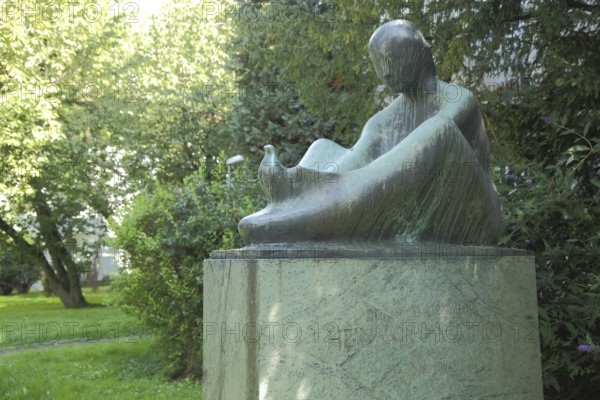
(166,235)
(18,271)
(545,213)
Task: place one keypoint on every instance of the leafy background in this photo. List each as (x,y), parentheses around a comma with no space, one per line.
(188,88)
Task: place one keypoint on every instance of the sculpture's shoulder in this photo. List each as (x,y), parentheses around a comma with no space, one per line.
(459,104)
(389,110)
(382,117)
(454,97)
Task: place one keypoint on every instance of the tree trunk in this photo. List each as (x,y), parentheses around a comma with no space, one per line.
(74,299)
(71,296)
(5,291)
(60,271)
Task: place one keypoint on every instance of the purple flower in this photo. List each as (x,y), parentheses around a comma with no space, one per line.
(527,242)
(547,119)
(510,177)
(586,348)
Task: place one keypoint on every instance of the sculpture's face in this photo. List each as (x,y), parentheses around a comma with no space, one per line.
(396,69)
(399,54)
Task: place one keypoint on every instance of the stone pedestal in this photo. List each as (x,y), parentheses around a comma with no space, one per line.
(339,322)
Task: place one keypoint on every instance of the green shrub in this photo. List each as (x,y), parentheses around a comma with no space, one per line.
(551,210)
(106,280)
(166,235)
(18,271)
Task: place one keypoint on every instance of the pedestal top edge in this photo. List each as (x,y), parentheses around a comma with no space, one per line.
(365,250)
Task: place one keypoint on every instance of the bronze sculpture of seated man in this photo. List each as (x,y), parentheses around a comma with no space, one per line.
(419,171)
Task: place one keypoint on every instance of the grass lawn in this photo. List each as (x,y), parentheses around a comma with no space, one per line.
(49,352)
(103,371)
(33,318)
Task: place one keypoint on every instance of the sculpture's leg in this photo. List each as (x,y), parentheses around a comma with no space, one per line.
(320,153)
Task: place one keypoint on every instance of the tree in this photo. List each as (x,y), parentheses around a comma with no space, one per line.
(267,108)
(62,97)
(180,65)
(321,51)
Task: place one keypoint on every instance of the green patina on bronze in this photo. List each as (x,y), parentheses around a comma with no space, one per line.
(419,171)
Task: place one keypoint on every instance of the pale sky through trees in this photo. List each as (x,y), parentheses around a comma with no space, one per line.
(149,7)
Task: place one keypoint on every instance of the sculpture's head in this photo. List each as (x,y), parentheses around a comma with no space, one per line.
(401,56)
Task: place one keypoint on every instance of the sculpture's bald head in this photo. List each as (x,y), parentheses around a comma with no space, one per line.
(400,55)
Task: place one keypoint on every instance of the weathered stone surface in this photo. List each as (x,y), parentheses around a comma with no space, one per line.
(437,326)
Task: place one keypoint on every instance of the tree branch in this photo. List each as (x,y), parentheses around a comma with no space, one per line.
(14,235)
(581,5)
(523,17)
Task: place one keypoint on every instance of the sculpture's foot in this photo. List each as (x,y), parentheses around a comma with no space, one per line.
(280,224)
